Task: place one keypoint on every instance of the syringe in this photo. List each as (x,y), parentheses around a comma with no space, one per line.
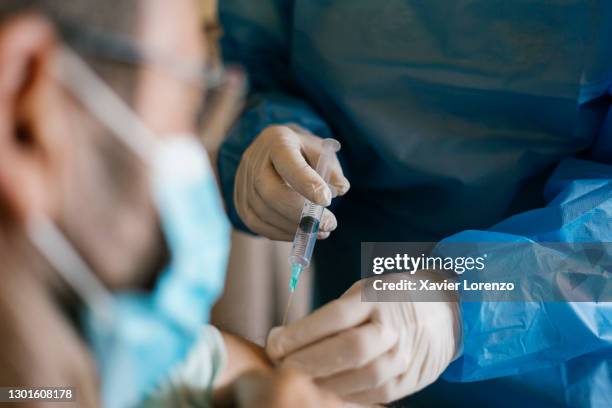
(306,234)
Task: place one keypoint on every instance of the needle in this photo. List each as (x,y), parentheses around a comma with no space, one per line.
(287,308)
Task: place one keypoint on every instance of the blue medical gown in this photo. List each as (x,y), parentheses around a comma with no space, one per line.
(458,120)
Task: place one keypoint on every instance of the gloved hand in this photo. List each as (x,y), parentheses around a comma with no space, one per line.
(275,173)
(370,352)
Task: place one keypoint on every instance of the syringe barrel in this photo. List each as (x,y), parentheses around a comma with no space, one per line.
(306,234)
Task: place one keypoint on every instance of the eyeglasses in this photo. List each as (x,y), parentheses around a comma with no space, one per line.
(122,49)
(223,97)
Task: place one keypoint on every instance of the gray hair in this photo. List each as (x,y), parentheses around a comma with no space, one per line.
(115,16)
(73,19)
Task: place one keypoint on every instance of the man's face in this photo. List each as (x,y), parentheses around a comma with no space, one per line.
(90,184)
(118,223)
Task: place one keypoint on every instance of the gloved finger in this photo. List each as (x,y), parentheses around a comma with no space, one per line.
(255,223)
(288,161)
(328,222)
(312,147)
(336,316)
(275,192)
(323,235)
(387,366)
(422,369)
(240,190)
(347,350)
(248,216)
(414,377)
(273,189)
(383,394)
(270,215)
(337,182)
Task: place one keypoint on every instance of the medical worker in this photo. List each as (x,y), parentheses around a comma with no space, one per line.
(113,238)
(459,120)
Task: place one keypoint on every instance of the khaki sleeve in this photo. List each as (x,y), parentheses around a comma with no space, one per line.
(191,383)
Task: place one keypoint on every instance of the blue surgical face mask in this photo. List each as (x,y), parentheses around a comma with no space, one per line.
(137,337)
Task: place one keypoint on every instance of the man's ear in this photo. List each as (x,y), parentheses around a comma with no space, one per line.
(30,155)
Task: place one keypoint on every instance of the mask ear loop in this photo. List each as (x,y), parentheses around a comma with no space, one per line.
(103,103)
(55,248)
(44,235)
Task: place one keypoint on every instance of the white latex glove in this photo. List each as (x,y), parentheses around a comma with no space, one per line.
(275,173)
(370,352)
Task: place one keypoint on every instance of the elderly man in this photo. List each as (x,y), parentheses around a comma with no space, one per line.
(103,185)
